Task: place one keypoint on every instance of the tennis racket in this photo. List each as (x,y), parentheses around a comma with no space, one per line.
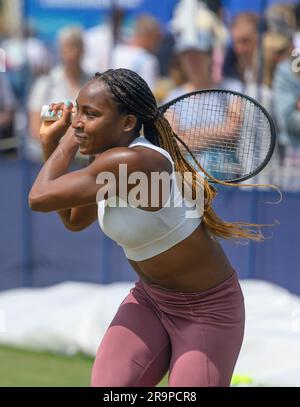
(230,134)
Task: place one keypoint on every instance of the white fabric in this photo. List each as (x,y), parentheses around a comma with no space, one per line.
(53,88)
(139,60)
(20,51)
(152,232)
(72,317)
(98,43)
(66,318)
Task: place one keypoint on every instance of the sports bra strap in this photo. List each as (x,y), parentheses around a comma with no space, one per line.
(142,141)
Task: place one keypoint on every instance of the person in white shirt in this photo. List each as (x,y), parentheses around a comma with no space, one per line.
(62,83)
(138,53)
(100,40)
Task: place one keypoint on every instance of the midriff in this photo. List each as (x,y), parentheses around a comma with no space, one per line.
(195,264)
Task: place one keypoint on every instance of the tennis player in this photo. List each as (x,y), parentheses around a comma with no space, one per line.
(185,313)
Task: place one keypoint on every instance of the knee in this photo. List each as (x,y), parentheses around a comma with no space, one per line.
(104,380)
(114,375)
(128,374)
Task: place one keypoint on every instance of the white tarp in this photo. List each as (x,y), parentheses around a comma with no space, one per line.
(72,317)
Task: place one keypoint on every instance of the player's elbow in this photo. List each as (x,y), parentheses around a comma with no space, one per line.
(38,203)
(74,228)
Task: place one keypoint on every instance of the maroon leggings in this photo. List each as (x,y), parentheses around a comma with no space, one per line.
(195,336)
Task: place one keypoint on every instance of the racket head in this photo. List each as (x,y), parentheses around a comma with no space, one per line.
(239,133)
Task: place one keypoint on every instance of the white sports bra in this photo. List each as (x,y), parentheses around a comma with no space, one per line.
(144,234)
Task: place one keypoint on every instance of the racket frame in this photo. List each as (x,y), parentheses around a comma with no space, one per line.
(163,108)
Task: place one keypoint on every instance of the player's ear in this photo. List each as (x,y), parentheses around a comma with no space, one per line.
(130,122)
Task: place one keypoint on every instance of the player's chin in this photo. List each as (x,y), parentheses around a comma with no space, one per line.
(86,150)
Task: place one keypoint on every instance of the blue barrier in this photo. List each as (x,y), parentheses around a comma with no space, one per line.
(37,250)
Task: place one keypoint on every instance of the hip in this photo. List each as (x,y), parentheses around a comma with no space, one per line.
(225,301)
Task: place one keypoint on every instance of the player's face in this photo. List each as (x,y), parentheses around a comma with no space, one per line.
(98,124)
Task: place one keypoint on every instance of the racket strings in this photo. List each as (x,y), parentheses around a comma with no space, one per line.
(229,135)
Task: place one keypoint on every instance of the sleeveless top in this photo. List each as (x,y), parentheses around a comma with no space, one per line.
(144,234)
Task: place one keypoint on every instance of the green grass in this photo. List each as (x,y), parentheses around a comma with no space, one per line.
(22,368)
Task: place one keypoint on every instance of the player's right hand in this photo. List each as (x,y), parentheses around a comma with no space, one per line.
(53,131)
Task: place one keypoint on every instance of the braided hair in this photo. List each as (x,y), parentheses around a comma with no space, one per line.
(132,95)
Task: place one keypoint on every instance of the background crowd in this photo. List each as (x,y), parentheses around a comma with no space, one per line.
(252,54)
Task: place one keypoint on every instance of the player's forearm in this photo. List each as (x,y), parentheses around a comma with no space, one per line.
(79,218)
(56,165)
(50,145)
(34,124)
(48,148)
(72,218)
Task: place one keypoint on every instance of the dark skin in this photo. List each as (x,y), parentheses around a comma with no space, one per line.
(195,264)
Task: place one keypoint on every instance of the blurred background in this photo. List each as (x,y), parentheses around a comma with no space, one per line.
(48,50)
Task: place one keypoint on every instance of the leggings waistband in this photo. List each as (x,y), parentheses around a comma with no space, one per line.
(164,294)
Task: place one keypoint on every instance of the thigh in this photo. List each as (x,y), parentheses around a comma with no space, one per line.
(209,362)
(135,350)
(204,353)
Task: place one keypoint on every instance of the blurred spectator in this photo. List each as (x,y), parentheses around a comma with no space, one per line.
(280,18)
(63,82)
(202,17)
(165,52)
(17,67)
(195,59)
(176,72)
(138,53)
(99,42)
(26,58)
(296,34)
(286,87)
(176,78)
(241,58)
(242,70)
(214,5)
(7,108)
(277,47)
(36,52)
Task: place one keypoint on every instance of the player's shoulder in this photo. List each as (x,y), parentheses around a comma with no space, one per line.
(138,158)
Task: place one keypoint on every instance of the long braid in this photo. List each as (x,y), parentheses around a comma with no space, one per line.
(133,95)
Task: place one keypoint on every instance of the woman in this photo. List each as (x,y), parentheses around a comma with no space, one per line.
(195,59)
(286,89)
(186,311)
(63,82)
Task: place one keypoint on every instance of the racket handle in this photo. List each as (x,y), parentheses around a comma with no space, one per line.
(46,114)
